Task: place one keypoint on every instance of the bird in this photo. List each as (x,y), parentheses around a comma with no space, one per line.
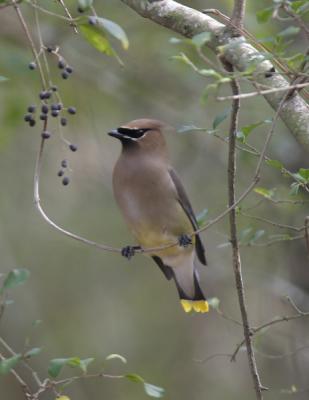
(156,208)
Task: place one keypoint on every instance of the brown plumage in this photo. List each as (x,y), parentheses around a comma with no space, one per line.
(156,207)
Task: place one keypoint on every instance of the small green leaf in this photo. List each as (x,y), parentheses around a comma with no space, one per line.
(202,217)
(15,278)
(246,130)
(85,4)
(294,188)
(117,356)
(257,235)
(304,173)
(56,365)
(209,90)
(153,391)
(97,39)
(275,164)
(244,234)
(115,30)
(267,193)
(296,5)
(9,363)
(295,61)
(189,128)
(290,31)
(83,365)
(201,38)
(214,302)
(33,352)
(174,40)
(264,15)
(220,118)
(134,378)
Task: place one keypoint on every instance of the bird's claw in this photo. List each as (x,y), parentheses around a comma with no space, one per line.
(129,251)
(184,240)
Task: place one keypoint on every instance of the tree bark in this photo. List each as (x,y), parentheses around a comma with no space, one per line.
(237,51)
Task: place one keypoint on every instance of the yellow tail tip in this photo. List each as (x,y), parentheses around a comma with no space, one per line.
(201,306)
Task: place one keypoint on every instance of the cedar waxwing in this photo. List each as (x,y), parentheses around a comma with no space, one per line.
(156,207)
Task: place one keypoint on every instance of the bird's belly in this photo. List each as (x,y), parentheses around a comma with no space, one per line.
(156,224)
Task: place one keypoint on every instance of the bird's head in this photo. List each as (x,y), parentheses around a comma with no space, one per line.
(146,134)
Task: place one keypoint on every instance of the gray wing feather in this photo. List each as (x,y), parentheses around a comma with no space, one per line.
(186,205)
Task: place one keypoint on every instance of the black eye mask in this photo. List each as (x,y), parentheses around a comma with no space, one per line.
(133,133)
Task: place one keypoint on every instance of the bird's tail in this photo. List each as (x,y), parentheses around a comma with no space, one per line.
(190,293)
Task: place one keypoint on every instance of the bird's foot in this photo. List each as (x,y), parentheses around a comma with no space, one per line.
(184,240)
(129,251)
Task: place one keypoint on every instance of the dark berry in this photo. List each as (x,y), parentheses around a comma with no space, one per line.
(54,88)
(60,172)
(47,95)
(65,181)
(32,65)
(44,95)
(64,163)
(69,69)
(31,109)
(43,117)
(59,106)
(54,107)
(65,75)
(63,121)
(50,49)
(61,64)
(44,109)
(55,113)
(32,122)
(28,117)
(80,9)
(92,20)
(72,110)
(73,147)
(45,135)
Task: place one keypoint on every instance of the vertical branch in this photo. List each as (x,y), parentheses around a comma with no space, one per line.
(234,241)
(238,15)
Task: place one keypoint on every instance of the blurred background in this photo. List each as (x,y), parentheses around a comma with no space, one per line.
(93,303)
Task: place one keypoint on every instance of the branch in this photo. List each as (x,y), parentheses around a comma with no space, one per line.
(234,240)
(237,51)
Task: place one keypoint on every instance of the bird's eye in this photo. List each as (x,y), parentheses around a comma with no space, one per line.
(133,133)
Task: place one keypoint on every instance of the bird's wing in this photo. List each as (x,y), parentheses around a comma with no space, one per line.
(186,205)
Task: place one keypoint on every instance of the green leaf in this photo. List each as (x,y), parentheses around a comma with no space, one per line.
(15,278)
(244,234)
(209,90)
(83,365)
(290,31)
(153,391)
(201,38)
(221,117)
(189,128)
(214,302)
(9,363)
(117,356)
(56,365)
(294,189)
(295,61)
(257,235)
(174,40)
(33,352)
(202,217)
(267,193)
(85,4)
(115,30)
(264,15)
(296,5)
(304,173)
(246,130)
(97,38)
(275,163)
(134,378)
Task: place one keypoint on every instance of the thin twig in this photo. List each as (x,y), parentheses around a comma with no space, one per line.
(273,223)
(31,42)
(234,240)
(69,15)
(263,92)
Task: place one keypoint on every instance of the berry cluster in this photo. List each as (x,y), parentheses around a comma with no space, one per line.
(65,179)
(51,106)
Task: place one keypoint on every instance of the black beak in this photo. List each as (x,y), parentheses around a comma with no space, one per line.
(115,134)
